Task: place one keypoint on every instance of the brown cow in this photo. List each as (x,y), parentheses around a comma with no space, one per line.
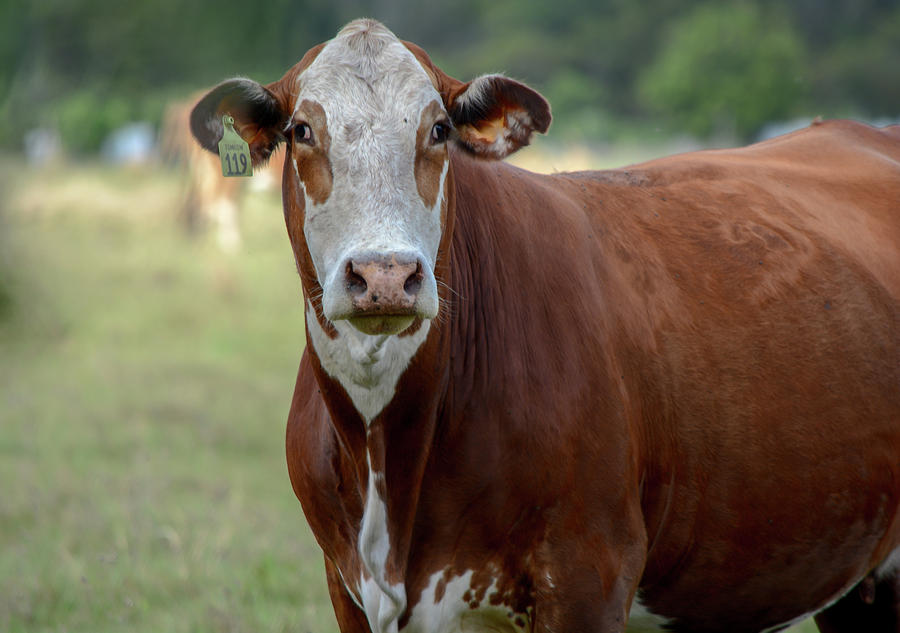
(541,403)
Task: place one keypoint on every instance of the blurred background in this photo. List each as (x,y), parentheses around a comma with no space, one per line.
(150,313)
(613,69)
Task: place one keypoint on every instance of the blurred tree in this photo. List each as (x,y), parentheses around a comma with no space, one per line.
(86,66)
(89,66)
(861,71)
(726,68)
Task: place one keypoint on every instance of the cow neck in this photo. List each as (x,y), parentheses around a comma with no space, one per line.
(484,328)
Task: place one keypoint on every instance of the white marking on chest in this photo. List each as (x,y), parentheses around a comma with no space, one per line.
(457,610)
(383,601)
(368,367)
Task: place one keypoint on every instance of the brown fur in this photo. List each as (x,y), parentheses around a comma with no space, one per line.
(684,380)
(429,159)
(313,163)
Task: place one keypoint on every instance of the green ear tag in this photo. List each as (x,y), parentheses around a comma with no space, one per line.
(234,151)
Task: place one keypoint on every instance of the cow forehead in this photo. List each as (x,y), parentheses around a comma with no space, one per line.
(367,78)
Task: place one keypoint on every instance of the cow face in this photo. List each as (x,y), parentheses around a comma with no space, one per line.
(368,119)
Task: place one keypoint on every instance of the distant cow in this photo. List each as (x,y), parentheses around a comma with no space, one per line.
(209,201)
(541,403)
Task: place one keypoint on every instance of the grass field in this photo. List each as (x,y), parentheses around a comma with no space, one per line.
(144,382)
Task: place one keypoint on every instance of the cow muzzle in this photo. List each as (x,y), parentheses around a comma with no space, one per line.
(385,292)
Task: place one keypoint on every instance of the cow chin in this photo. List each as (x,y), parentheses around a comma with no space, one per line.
(382,324)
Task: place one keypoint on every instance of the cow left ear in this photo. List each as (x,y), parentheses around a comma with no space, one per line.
(259,117)
(494,115)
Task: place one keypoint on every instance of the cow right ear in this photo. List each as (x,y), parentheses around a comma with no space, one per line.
(494,115)
(259,117)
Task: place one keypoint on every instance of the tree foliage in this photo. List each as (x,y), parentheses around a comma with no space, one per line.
(86,66)
(726,68)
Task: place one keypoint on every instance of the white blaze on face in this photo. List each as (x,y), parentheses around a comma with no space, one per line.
(373,94)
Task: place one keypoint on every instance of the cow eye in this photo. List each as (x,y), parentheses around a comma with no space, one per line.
(440,132)
(303,133)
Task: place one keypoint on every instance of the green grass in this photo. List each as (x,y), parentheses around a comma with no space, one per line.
(144,383)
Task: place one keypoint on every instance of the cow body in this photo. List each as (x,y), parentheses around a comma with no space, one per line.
(673,388)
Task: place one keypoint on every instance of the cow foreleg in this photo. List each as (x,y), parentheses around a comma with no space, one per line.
(590,590)
(350,617)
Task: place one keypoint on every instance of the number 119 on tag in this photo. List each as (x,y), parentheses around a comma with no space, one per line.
(234,151)
(235,164)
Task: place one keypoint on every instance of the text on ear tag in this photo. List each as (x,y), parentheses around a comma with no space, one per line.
(234,151)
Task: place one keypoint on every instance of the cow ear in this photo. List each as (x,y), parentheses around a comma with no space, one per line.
(259,117)
(494,115)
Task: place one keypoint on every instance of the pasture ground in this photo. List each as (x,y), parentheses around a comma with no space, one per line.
(145,378)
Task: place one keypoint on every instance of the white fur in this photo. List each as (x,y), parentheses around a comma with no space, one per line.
(373,105)
(383,602)
(367,366)
(476,94)
(451,614)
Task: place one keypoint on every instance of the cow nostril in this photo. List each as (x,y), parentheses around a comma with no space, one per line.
(356,283)
(413,283)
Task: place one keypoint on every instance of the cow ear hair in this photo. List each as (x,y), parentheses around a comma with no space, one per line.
(259,117)
(494,115)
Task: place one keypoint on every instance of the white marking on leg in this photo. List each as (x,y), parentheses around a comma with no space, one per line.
(383,602)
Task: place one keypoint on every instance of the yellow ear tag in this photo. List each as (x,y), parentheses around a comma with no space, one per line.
(234,151)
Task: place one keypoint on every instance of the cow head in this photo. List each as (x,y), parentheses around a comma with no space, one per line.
(368,120)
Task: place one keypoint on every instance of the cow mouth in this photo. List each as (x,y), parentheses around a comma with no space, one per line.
(384,324)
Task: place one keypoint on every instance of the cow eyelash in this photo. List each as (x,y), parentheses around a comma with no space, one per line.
(302,133)
(440,132)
